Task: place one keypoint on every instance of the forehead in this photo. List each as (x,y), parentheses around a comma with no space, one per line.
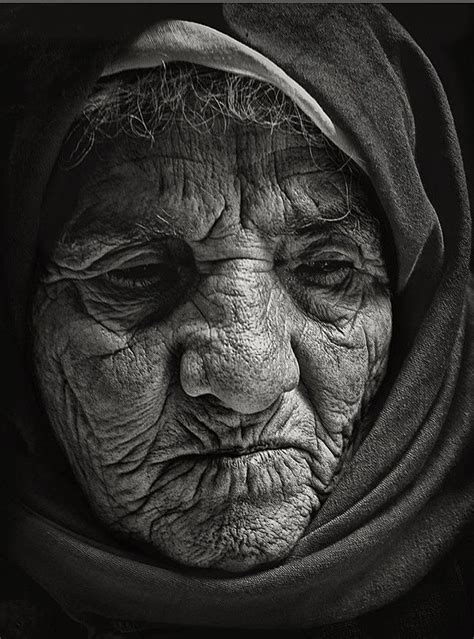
(188,178)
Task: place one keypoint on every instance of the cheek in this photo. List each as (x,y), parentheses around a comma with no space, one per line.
(93,378)
(343,364)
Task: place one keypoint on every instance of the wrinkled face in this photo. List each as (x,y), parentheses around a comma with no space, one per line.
(205,342)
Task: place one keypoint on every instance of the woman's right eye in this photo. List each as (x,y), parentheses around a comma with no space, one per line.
(144,275)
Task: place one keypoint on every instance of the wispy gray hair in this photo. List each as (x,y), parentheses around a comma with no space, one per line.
(141,104)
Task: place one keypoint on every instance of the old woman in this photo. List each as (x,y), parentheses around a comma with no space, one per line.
(237,285)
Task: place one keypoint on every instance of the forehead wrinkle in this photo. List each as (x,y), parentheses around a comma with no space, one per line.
(109,174)
(269,159)
(272,161)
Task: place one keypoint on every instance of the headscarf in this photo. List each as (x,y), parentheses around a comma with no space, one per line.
(407,494)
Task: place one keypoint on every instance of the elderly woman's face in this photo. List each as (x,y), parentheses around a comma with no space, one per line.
(205,342)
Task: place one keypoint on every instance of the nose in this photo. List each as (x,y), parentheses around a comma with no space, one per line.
(242,355)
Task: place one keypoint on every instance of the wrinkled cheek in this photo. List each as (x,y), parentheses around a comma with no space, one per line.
(327,353)
(378,347)
(123,386)
(377,325)
(335,368)
(97,380)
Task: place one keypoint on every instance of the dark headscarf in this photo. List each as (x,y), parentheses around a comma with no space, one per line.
(408,493)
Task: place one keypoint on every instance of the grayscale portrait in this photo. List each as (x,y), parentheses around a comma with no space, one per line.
(236,323)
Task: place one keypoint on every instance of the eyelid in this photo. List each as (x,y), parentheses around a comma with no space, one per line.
(140,260)
(119,275)
(114,259)
(321,278)
(326,255)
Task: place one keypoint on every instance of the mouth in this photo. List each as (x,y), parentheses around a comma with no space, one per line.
(236,453)
(243,452)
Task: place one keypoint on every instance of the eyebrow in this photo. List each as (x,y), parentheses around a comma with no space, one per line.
(335,217)
(305,222)
(135,231)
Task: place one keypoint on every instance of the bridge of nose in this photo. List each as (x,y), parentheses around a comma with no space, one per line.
(239,297)
(241,348)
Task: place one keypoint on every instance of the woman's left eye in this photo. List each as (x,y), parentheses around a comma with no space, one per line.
(143,275)
(323,272)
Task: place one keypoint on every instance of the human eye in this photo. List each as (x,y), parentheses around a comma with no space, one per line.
(144,276)
(323,271)
(158,267)
(143,284)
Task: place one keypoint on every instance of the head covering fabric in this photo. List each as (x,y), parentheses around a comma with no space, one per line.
(408,493)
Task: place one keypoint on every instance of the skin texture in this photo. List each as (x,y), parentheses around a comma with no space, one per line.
(206,335)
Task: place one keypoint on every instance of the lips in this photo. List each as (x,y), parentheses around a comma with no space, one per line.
(236,452)
(242,452)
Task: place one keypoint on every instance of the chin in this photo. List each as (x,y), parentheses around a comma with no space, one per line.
(237,536)
(243,540)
